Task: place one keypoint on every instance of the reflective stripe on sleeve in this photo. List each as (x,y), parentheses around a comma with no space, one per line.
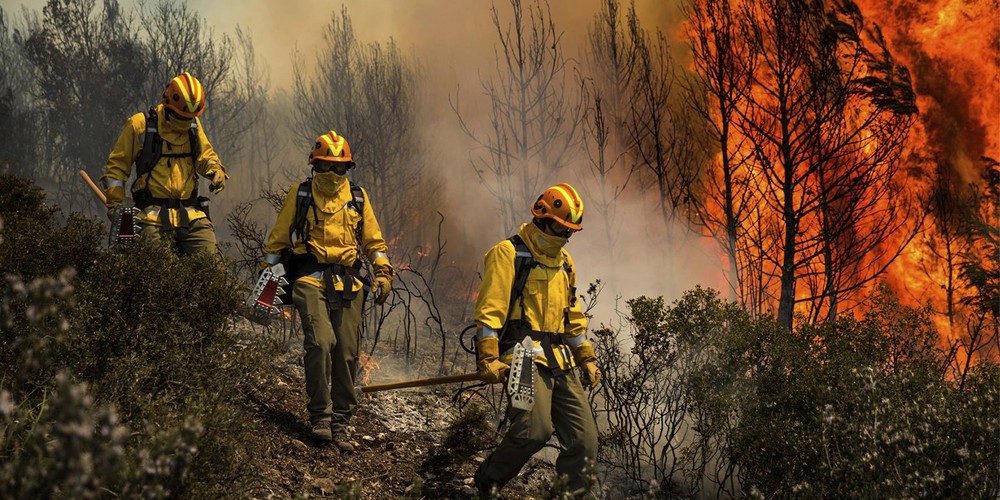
(272,259)
(486,332)
(379,255)
(576,341)
(110,183)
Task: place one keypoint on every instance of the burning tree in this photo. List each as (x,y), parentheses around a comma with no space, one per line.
(819,118)
(721,80)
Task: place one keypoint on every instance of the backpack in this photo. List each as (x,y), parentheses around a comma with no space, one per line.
(524,262)
(298,265)
(152,151)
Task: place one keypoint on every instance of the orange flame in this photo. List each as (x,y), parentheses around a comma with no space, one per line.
(368,365)
(951,49)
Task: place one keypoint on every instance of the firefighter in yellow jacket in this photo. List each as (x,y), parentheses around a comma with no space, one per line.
(169,148)
(321,228)
(547,310)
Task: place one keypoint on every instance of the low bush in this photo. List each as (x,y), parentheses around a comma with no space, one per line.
(123,367)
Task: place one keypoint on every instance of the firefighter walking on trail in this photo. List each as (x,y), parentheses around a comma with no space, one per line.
(529,290)
(323,225)
(169,148)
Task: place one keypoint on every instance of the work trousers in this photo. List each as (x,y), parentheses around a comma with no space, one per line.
(331,355)
(560,405)
(198,236)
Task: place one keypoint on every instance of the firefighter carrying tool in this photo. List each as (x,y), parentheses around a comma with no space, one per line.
(169,149)
(325,228)
(528,315)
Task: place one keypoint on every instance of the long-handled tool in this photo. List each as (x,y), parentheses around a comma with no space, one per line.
(94,187)
(450,379)
(123,228)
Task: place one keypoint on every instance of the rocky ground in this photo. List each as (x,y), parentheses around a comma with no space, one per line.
(399,436)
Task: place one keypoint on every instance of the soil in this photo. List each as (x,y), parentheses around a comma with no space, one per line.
(398,437)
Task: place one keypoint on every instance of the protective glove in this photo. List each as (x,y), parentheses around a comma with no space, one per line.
(587,359)
(491,369)
(591,375)
(382,288)
(218,177)
(114,197)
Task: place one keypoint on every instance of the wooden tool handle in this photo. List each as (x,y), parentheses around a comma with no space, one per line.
(94,187)
(450,379)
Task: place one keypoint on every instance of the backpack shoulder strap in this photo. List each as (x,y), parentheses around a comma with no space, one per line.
(359,204)
(152,146)
(300,222)
(523,263)
(194,142)
(568,269)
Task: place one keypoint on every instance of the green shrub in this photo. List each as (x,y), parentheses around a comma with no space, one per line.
(137,339)
(855,408)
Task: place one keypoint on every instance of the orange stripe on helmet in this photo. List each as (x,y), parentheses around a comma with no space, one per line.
(573,199)
(197,91)
(190,89)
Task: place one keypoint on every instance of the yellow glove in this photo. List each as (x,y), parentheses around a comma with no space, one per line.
(382,288)
(114,197)
(491,369)
(587,359)
(218,177)
(591,374)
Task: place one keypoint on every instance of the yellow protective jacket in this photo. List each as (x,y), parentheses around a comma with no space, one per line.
(333,240)
(170,177)
(548,304)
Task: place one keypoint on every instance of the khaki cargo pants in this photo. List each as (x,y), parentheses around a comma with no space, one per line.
(199,236)
(560,405)
(331,357)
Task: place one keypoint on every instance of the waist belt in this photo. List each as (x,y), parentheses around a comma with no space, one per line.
(144,201)
(518,330)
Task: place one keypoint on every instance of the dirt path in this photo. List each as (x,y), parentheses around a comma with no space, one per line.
(398,435)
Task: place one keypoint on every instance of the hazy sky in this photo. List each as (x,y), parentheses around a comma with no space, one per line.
(454,40)
(446,35)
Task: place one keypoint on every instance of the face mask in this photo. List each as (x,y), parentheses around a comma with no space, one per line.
(544,240)
(329,178)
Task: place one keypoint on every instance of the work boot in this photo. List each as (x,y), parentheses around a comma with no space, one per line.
(321,432)
(342,441)
(487,489)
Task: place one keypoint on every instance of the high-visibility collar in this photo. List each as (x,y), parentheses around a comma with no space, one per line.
(546,248)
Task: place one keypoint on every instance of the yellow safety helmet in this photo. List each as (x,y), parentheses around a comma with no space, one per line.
(331,147)
(185,96)
(562,204)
